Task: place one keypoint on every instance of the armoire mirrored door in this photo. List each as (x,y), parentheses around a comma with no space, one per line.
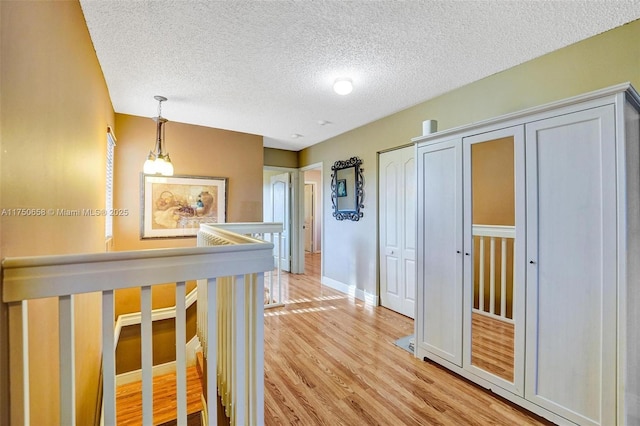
(494,244)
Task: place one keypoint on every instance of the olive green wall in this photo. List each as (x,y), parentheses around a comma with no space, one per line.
(350,248)
(280,158)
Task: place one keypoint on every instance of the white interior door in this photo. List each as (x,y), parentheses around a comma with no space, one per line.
(281,208)
(308,217)
(398,231)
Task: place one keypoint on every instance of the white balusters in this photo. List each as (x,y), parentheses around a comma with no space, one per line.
(257,363)
(233,267)
(503,277)
(212,361)
(108,359)
(266,231)
(493,233)
(146,348)
(66,327)
(481,277)
(492,276)
(181,353)
(19,365)
(239,369)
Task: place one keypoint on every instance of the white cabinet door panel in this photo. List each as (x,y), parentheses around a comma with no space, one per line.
(571,265)
(439,325)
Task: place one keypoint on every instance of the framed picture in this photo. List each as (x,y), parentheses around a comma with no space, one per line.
(341,189)
(175,206)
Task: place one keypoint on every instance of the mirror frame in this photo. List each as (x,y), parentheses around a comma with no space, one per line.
(358,189)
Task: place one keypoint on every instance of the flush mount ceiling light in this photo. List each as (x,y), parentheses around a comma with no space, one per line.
(158,162)
(343,86)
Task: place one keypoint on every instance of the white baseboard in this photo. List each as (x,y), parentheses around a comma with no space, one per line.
(351,290)
(158,370)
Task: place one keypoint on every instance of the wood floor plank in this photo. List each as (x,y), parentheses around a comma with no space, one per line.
(330,359)
(492,346)
(129,399)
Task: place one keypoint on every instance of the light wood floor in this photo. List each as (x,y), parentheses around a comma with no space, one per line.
(129,399)
(492,345)
(331,359)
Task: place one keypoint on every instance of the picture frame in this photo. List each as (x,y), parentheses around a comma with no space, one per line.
(175,206)
(341,188)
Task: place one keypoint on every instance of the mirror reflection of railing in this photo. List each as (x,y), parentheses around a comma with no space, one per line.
(494,234)
(235,261)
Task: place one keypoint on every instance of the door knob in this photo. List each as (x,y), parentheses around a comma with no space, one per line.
(458,251)
(532,262)
(467,254)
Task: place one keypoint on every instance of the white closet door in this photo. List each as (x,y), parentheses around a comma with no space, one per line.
(439,320)
(398,231)
(571,266)
(281,212)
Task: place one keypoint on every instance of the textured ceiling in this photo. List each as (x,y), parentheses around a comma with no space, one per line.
(267,67)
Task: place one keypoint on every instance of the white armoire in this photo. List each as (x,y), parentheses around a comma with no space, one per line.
(528,256)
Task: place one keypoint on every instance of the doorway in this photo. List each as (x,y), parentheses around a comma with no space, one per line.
(290,210)
(312,217)
(277,208)
(309,217)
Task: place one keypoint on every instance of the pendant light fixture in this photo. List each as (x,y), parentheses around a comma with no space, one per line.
(158,161)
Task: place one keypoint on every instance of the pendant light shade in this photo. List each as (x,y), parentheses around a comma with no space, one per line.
(158,161)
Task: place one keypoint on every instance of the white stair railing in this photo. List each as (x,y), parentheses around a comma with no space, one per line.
(267,231)
(495,235)
(64,276)
(241,305)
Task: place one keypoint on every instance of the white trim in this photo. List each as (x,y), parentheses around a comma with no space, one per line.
(159,314)
(351,290)
(245,228)
(493,316)
(526,113)
(50,276)
(498,231)
(158,370)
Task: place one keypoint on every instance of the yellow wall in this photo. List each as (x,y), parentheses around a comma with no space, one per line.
(493,182)
(195,151)
(600,61)
(55,112)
